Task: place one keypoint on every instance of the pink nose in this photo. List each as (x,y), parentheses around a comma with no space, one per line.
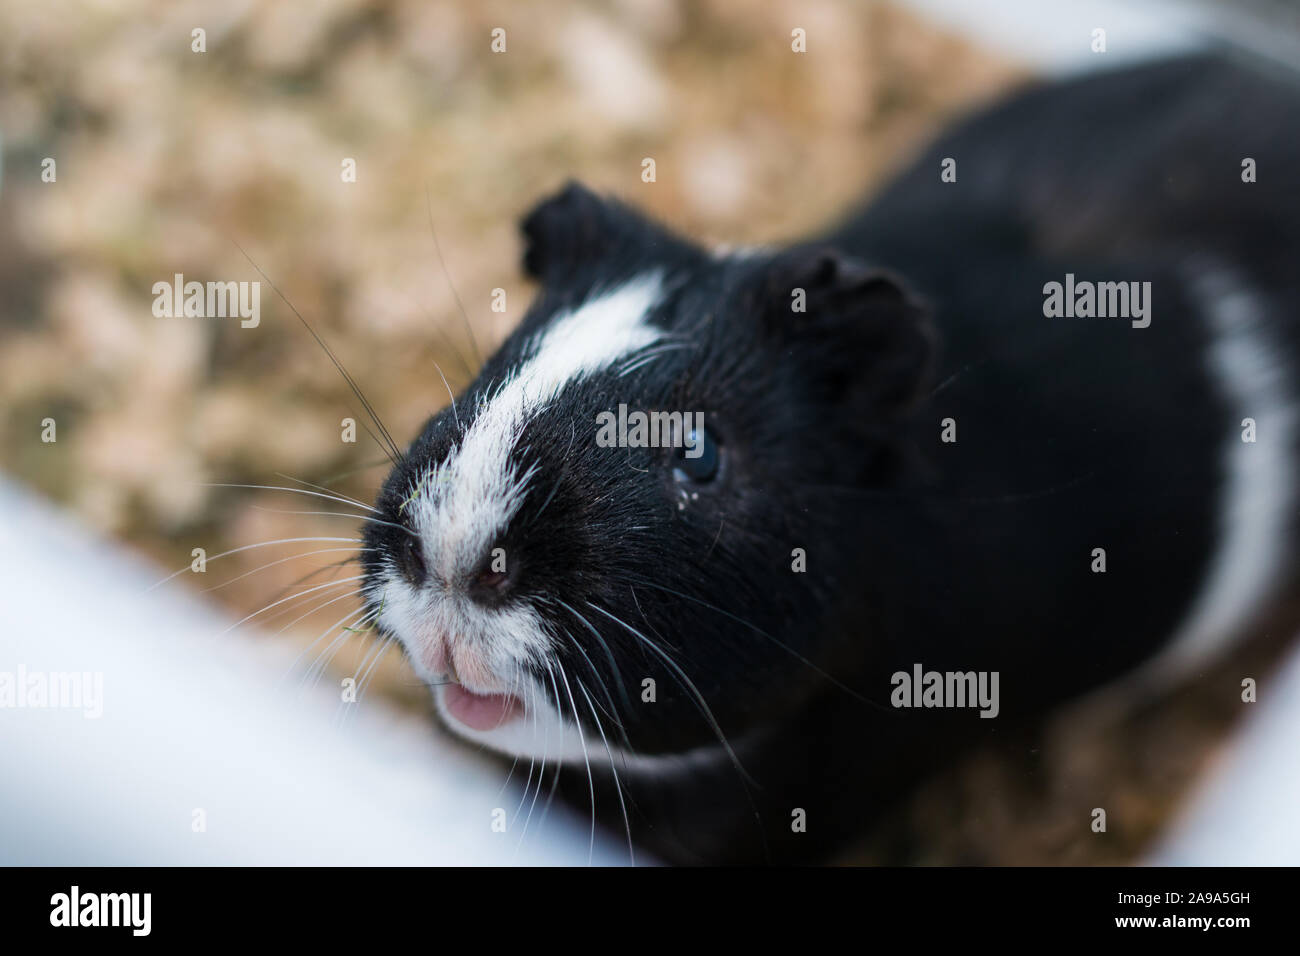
(460,664)
(435,658)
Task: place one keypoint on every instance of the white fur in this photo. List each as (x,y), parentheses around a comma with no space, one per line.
(461,506)
(1258,501)
(483,489)
(550,735)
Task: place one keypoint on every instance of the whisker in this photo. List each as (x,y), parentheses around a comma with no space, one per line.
(366,678)
(336,514)
(365,403)
(316,640)
(292,557)
(758,630)
(454,413)
(249,547)
(323,660)
(591,783)
(532,762)
(339,476)
(317,608)
(511,773)
(644,358)
(381,648)
(350,500)
(686,683)
(614,669)
(333,569)
(612,711)
(326,657)
(618,786)
(958,374)
(297,491)
(296,601)
(441,332)
(746,780)
(541,773)
(550,794)
(392,459)
(282,600)
(437,247)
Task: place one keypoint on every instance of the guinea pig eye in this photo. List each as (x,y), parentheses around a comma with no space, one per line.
(703,466)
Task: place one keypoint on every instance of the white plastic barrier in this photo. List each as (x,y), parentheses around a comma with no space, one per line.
(194,727)
(1057,37)
(1247,813)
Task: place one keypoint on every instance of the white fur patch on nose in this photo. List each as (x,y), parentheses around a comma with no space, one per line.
(468,500)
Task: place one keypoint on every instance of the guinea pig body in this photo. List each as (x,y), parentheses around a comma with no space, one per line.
(1035,427)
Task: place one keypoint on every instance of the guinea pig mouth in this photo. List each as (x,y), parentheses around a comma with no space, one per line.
(480,711)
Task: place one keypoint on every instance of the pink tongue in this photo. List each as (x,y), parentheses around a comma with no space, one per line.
(480,711)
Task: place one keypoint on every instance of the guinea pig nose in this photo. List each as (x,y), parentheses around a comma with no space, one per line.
(410,553)
(490,583)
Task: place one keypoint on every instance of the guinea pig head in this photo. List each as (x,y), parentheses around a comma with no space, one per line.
(621,541)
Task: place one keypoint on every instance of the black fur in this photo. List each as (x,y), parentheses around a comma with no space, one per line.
(1072,434)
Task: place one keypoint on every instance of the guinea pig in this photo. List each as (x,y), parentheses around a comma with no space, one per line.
(738,544)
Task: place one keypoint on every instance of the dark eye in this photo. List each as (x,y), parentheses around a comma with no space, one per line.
(411,556)
(697,461)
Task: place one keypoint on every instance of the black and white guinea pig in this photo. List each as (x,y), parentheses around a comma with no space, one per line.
(1029,416)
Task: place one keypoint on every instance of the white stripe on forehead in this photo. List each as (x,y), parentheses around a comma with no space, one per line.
(468,500)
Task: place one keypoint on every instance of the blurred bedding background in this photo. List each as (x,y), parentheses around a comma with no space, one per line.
(166,158)
(169,160)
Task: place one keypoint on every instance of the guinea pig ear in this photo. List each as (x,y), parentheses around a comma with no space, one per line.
(576,227)
(858,332)
(560,228)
